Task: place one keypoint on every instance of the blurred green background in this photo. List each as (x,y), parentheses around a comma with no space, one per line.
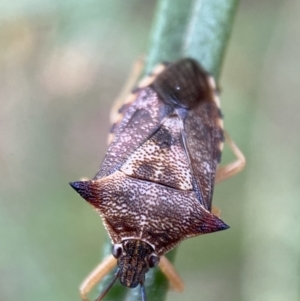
(61,66)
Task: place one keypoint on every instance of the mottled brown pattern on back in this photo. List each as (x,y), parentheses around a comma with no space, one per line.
(141,119)
(156,181)
(137,209)
(162,158)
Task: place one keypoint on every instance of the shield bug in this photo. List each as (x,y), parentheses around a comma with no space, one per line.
(155,185)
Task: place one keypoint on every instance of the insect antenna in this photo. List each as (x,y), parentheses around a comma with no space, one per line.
(102,295)
(143,292)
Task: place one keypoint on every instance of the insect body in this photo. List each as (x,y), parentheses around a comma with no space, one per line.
(155,185)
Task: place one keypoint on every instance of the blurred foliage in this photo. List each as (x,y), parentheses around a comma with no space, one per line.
(61,66)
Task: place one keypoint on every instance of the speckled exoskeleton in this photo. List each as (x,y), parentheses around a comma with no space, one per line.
(155,185)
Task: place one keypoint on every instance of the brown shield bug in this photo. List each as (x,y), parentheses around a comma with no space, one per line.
(155,185)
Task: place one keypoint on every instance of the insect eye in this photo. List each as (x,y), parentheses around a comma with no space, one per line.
(153,260)
(117,250)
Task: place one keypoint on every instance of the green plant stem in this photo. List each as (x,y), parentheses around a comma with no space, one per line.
(168,31)
(208,33)
(198,29)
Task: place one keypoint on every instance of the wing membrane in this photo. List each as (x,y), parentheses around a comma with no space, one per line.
(203,139)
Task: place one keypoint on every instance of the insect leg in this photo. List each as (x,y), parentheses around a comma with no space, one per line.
(169,271)
(96,276)
(232,168)
(126,90)
(216,211)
